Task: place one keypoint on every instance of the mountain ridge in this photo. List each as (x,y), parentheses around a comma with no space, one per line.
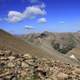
(25,47)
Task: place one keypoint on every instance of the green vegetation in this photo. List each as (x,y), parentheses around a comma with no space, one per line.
(65,48)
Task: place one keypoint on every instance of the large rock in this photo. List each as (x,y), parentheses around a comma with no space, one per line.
(11,64)
(11,58)
(62,76)
(77,71)
(25,65)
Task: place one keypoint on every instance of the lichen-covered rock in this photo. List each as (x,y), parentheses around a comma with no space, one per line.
(15,66)
(62,76)
(11,58)
(77,70)
(24,65)
(10,64)
(27,56)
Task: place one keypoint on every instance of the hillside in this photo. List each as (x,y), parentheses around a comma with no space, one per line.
(23,47)
(75,52)
(9,41)
(60,43)
(27,67)
(21,59)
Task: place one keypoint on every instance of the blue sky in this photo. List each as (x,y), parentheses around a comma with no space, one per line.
(22,16)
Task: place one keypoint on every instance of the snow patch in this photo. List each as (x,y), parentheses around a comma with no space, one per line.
(73,57)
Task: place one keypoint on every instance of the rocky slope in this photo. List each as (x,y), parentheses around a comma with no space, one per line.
(21,47)
(62,39)
(74,53)
(56,43)
(14,66)
(23,60)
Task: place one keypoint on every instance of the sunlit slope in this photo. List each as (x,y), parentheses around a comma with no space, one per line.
(75,52)
(47,40)
(17,45)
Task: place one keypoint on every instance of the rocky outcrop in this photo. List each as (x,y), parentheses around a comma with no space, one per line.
(26,67)
(62,42)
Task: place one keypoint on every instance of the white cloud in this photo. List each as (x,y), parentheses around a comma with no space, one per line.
(15,16)
(28,27)
(34,10)
(42,20)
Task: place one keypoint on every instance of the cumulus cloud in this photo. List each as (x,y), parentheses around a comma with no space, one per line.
(15,16)
(42,20)
(33,10)
(28,27)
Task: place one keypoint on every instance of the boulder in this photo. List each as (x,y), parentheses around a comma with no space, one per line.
(11,58)
(24,65)
(77,71)
(27,56)
(11,64)
(62,76)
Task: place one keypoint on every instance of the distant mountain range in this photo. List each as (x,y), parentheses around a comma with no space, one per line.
(42,45)
(63,43)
